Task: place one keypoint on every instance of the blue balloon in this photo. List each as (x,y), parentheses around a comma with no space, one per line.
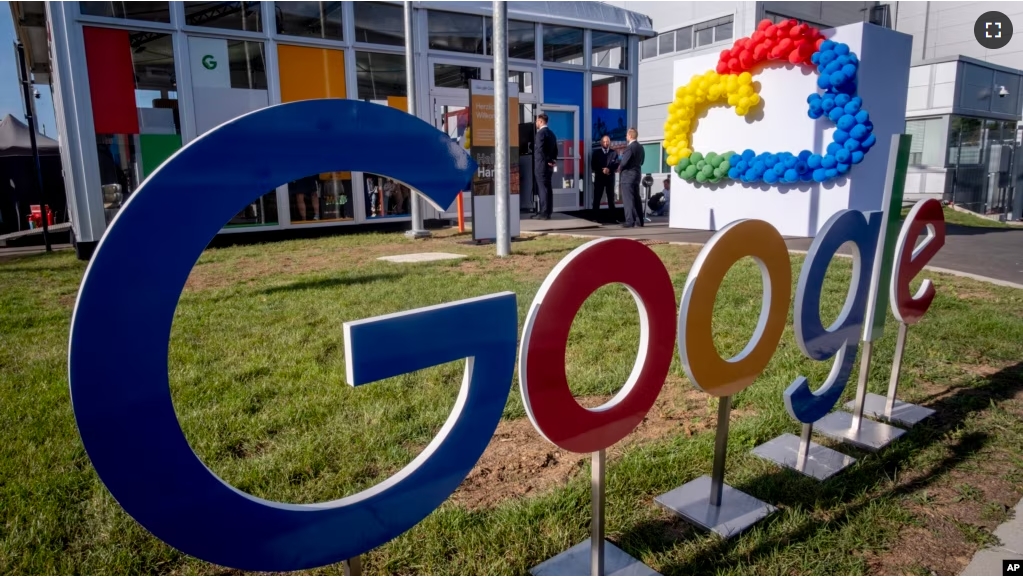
(827,103)
(833,148)
(840,136)
(814,161)
(842,100)
(836,113)
(801,166)
(842,156)
(770,177)
(813,98)
(742,165)
(828,161)
(733,173)
(806,176)
(853,107)
(862,117)
(819,175)
(771,160)
(748,155)
(849,70)
(827,45)
(779,168)
(791,175)
(859,132)
(804,154)
(832,66)
(823,82)
(815,57)
(790,161)
(750,175)
(852,144)
(734,159)
(838,78)
(841,48)
(815,113)
(868,142)
(842,59)
(856,156)
(846,122)
(831,172)
(842,167)
(759,166)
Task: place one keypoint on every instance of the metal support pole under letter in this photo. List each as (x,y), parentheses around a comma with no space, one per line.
(410,82)
(501,137)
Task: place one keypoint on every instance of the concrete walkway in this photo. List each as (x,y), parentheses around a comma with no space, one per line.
(988,561)
(992,254)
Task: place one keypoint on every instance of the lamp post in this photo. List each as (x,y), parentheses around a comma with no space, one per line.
(501,136)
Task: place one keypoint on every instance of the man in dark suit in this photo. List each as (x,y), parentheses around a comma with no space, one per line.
(545,157)
(630,166)
(604,162)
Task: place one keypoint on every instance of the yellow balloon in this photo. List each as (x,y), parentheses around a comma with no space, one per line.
(746,78)
(754,99)
(741,110)
(672,160)
(685,153)
(689,100)
(744,103)
(733,99)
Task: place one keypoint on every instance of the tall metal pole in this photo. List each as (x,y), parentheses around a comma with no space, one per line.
(30,118)
(410,82)
(501,136)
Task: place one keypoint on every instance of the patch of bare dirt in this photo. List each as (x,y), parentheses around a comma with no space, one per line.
(519,462)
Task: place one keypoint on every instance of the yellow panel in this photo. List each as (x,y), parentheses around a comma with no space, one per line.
(308,73)
(399,102)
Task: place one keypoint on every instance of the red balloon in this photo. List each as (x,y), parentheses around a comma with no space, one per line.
(722,68)
(795,57)
(746,59)
(817,44)
(757,37)
(725,55)
(771,31)
(759,52)
(734,65)
(763,25)
(797,31)
(805,48)
(785,44)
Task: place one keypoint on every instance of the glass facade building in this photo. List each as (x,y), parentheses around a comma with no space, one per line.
(134,82)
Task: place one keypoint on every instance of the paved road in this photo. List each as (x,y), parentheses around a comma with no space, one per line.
(995,253)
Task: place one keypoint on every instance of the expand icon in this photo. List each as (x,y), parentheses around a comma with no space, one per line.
(732,84)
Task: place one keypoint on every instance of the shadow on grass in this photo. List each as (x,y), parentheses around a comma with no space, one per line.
(331,282)
(844,496)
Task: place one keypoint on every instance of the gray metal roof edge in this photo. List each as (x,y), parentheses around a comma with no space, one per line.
(591,15)
(971,60)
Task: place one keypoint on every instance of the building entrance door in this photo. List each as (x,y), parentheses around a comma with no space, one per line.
(564,122)
(451,116)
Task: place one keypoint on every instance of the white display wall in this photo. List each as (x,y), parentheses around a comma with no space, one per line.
(781,124)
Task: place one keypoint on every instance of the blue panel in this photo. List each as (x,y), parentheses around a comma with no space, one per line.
(564,87)
(123,405)
(842,338)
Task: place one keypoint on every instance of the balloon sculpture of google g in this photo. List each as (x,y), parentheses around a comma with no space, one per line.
(732,84)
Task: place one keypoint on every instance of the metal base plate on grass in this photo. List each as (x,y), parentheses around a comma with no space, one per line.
(576,561)
(906,414)
(738,511)
(821,463)
(871,436)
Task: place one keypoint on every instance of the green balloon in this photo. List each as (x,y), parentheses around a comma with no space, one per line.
(717,173)
(683,163)
(725,165)
(701,177)
(716,161)
(715,179)
(696,157)
(691,171)
(707,170)
(729,154)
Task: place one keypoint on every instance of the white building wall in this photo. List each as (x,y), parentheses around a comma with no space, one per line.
(946,29)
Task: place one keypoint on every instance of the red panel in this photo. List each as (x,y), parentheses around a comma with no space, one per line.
(600,96)
(111,81)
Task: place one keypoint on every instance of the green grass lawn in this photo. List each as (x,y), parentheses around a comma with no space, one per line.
(257,376)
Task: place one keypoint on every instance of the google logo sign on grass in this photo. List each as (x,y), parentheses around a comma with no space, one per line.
(732,84)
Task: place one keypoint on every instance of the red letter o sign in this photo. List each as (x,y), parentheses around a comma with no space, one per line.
(548,400)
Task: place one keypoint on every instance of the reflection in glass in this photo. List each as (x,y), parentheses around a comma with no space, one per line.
(148,11)
(705,37)
(309,19)
(521,39)
(523,79)
(563,44)
(248,69)
(648,49)
(455,32)
(684,38)
(379,23)
(666,43)
(321,197)
(609,49)
(385,197)
(379,76)
(260,212)
(454,76)
(723,31)
(228,15)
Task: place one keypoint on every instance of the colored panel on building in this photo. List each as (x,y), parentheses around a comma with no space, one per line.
(111,80)
(209,62)
(599,96)
(156,148)
(563,87)
(308,73)
(399,102)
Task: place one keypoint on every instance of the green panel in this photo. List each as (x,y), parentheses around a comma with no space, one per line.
(893,225)
(157,148)
(651,158)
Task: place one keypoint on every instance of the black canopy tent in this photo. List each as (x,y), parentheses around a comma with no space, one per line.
(17,190)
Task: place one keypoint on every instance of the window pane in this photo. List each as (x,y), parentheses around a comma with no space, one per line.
(455,32)
(454,76)
(379,23)
(148,11)
(705,37)
(722,32)
(385,197)
(666,43)
(229,15)
(521,38)
(523,79)
(684,38)
(563,44)
(609,50)
(309,19)
(380,76)
(649,49)
(321,197)
(609,98)
(248,70)
(651,156)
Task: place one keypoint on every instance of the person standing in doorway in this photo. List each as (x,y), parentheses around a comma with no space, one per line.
(629,168)
(605,164)
(545,157)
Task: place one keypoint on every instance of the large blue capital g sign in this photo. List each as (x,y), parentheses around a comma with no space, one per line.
(123,405)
